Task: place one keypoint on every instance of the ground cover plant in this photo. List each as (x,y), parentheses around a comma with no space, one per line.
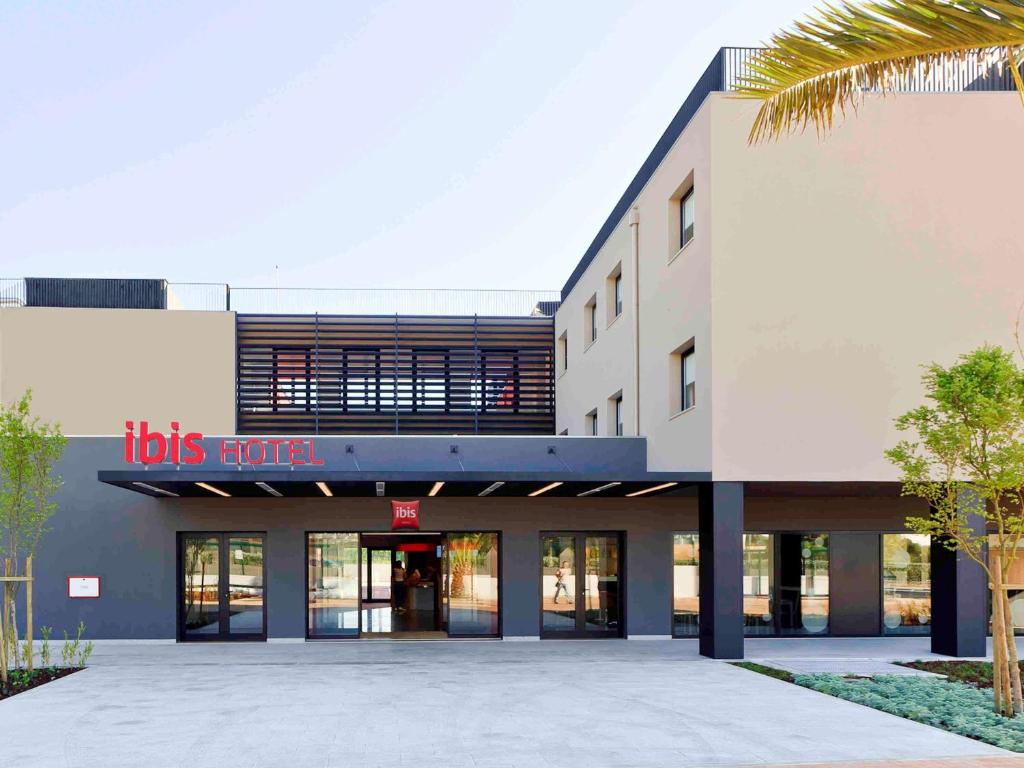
(976,673)
(761,669)
(952,706)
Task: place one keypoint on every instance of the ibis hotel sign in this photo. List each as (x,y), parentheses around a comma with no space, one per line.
(151,446)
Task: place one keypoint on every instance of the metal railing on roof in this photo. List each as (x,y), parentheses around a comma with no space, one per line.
(948,73)
(220,297)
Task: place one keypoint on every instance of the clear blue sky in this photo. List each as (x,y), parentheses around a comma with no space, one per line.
(392,144)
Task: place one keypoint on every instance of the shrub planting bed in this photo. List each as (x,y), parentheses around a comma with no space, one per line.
(976,673)
(961,704)
(20,681)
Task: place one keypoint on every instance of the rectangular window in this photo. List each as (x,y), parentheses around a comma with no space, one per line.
(686,218)
(593,322)
(906,584)
(332,584)
(758,582)
(617,410)
(563,351)
(688,378)
(685,584)
(592,423)
(617,293)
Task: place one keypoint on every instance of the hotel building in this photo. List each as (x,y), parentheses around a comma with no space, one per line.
(686,442)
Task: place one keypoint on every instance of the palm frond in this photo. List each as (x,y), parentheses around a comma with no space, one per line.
(829,59)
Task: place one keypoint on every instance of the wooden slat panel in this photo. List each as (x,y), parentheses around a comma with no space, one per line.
(395,375)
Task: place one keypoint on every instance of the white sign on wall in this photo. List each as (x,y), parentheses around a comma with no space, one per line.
(83,586)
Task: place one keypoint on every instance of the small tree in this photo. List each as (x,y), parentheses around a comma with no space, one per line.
(29,451)
(967,462)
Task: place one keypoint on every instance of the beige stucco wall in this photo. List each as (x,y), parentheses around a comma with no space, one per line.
(90,369)
(840,266)
(674,290)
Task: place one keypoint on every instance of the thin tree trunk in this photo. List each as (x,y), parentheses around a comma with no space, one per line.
(3,634)
(999,649)
(29,653)
(997,631)
(1011,644)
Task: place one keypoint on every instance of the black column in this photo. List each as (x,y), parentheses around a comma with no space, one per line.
(720,524)
(959,600)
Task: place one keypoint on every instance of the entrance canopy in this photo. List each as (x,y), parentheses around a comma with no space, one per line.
(293,466)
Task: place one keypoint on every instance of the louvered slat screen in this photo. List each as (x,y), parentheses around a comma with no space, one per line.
(317,374)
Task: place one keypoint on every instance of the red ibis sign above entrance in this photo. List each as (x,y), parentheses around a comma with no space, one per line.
(152,447)
(405,514)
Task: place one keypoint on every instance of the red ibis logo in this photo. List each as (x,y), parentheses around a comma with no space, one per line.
(405,514)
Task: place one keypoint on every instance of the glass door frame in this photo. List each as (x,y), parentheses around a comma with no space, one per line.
(223,633)
(775,593)
(446,576)
(580,544)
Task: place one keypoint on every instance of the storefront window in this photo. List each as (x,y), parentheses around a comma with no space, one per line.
(758,571)
(685,584)
(472,583)
(906,584)
(803,583)
(333,584)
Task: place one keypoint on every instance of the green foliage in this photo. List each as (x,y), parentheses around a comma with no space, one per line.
(761,669)
(967,456)
(44,651)
(977,673)
(29,450)
(952,706)
(73,654)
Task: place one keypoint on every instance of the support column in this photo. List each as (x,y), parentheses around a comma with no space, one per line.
(959,600)
(720,525)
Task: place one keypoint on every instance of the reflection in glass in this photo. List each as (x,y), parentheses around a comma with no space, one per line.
(906,584)
(601,584)
(472,583)
(377,573)
(685,584)
(201,564)
(333,584)
(558,583)
(803,583)
(245,584)
(758,563)
(1015,578)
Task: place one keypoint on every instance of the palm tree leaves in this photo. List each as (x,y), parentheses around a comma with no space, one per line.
(827,60)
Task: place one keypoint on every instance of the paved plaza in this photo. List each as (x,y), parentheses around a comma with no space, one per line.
(484,704)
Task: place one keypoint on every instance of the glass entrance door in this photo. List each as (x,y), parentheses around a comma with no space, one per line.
(222,577)
(581,585)
(470,606)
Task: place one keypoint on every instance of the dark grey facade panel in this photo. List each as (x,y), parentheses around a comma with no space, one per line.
(95,293)
(720,526)
(960,600)
(855,595)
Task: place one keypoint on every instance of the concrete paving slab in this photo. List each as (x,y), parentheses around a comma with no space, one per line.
(478,704)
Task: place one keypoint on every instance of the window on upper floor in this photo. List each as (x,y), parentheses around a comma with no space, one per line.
(688,379)
(590,318)
(592,422)
(615,412)
(618,294)
(613,294)
(683,378)
(562,352)
(686,218)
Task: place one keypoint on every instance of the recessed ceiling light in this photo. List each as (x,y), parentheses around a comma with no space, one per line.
(600,488)
(272,491)
(491,488)
(437,487)
(149,487)
(545,489)
(212,489)
(323,487)
(652,489)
